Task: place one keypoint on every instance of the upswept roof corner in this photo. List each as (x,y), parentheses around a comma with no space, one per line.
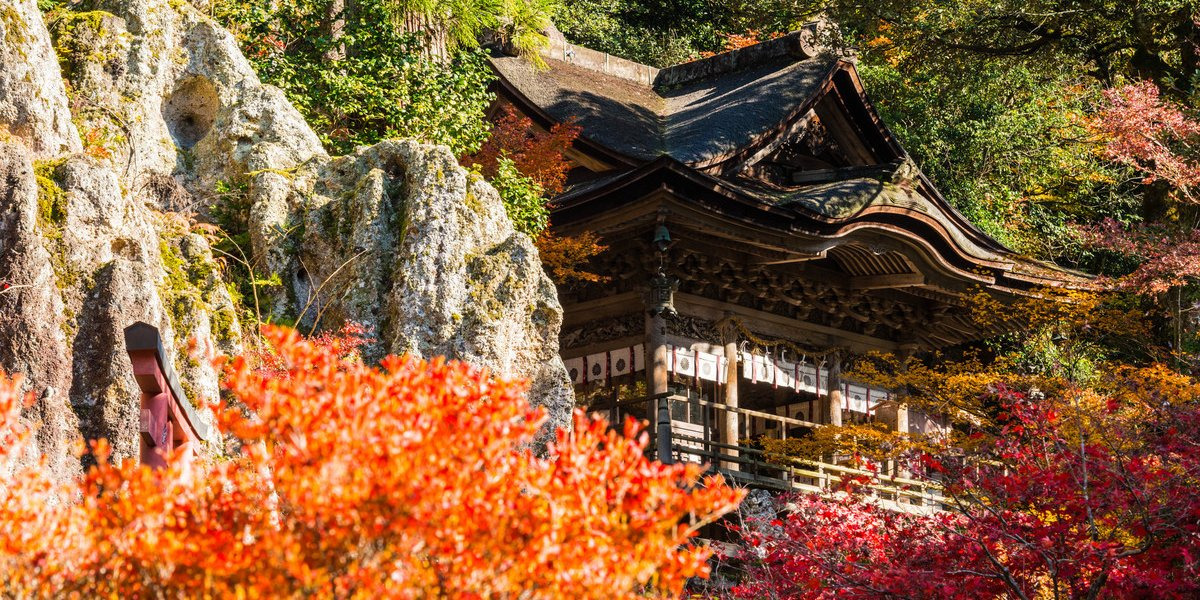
(829,214)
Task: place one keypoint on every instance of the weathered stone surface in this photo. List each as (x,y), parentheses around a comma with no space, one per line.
(122,264)
(33,342)
(85,250)
(33,101)
(399,237)
(163,109)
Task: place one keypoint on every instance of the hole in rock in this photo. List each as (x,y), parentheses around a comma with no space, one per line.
(190,110)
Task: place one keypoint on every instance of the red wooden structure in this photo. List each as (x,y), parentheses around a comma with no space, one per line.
(168,419)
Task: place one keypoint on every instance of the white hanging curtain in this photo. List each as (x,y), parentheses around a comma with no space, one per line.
(621,361)
(575,369)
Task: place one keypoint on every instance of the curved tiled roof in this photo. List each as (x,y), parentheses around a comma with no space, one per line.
(694,113)
(830,214)
(690,127)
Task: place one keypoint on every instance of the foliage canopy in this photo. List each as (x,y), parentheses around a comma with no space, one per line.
(1081,495)
(371,81)
(406,480)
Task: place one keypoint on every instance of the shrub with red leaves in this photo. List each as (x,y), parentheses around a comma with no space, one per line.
(1086,497)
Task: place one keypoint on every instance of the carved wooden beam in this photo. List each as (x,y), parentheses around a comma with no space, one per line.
(881,282)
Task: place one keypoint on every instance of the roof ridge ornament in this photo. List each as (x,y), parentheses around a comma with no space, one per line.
(816,37)
(905,171)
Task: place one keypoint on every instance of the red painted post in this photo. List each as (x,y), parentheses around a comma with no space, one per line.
(168,422)
(155,422)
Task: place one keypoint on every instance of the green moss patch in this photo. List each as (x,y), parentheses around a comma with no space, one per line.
(190,285)
(81,37)
(52,218)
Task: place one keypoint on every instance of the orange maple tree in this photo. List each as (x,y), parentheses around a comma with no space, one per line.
(536,154)
(407,480)
(541,156)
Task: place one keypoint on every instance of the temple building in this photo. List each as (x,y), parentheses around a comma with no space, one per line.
(763,226)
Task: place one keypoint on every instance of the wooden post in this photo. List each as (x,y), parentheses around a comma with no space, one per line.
(168,422)
(614,419)
(732,376)
(901,422)
(663,431)
(894,414)
(657,377)
(835,398)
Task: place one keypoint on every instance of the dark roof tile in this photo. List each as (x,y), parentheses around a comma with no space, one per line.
(695,122)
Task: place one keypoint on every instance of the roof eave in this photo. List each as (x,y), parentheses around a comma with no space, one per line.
(906,226)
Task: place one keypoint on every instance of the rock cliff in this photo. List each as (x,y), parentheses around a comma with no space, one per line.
(123,126)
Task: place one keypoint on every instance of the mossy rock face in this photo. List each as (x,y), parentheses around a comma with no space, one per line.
(51,219)
(94,37)
(112,262)
(52,202)
(396,236)
(16,31)
(34,328)
(225,326)
(399,238)
(192,288)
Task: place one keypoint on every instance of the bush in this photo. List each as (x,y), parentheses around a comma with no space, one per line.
(409,480)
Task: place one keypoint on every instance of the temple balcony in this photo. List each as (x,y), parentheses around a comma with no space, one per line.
(702,418)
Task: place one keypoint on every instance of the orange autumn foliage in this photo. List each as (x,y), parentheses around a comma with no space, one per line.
(404,481)
(737,41)
(565,256)
(541,156)
(538,155)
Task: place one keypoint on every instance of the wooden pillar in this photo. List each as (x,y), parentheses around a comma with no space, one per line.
(901,422)
(729,434)
(657,379)
(894,414)
(656,354)
(835,399)
(662,432)
(157,432)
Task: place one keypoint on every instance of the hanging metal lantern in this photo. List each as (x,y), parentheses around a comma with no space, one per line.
(662,286)
(662,294)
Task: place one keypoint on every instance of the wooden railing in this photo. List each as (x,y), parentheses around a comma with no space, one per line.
(677,440)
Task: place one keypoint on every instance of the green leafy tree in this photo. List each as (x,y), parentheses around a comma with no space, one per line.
(523,198)
(361,70)
(666,32)
(1010,147)
(994,99)
(1073,49)
(1105,39)
(520,22)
